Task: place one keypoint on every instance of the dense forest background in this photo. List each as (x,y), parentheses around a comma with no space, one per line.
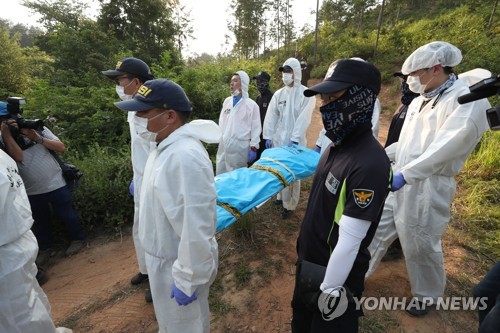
(57,66)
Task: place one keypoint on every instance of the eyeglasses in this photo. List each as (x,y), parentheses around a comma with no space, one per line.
(119,78)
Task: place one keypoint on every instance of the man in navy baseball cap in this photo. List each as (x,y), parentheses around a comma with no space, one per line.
(129,75)
(160,93)
(132,66)
(178,205)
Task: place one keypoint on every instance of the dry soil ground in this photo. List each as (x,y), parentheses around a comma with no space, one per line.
(90,292)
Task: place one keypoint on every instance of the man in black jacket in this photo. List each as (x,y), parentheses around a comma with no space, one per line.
(262,80)
(346,200)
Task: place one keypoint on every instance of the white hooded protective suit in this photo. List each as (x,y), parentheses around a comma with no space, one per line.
(24,307)
(287,119)
(140,149)
(323,141)
(241,129)
(432,148)
(177,225)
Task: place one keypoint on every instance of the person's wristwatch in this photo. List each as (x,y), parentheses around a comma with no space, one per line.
(39,140)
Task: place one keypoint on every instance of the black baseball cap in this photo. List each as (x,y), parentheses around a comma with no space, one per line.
(262,76)
(400,74)
(348,72)
(132,66)
(159,93)
(285,68)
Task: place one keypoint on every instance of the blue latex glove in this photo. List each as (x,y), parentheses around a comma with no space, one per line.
(131,188)
(268,143)
(317,149)
(398,181)
(252,156)
(180,297)
(293,143)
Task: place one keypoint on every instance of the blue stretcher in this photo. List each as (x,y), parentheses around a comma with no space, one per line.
(243,189)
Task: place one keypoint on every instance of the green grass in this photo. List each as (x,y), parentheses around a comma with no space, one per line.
(476,208)
(243,274)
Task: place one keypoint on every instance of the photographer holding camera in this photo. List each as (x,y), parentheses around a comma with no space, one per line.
(7,142)
(43,179)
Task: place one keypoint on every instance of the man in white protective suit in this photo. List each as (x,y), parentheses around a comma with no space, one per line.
(129,74)
(24,307)
(323,141)
(287,119)
(240,123)
(177,212)
(437,137)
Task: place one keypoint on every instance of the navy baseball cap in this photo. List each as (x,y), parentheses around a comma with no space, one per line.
(263,76)
(159,93)
(132,66)
(347,73)
(3,109)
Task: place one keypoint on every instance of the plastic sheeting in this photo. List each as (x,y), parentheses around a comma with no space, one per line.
(243,189)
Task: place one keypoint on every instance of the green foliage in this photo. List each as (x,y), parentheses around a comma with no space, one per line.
(80,53)
(247,26)
(143,26)
(405,27)
(79,116)
(62,81)
(14,65)
(477,206)
(102,198)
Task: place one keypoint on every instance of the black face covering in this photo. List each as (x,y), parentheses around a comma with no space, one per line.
(408,95)
(352,109)
(262,85)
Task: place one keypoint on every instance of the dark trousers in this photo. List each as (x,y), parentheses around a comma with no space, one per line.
(61,202)
(309,320)
(489,318)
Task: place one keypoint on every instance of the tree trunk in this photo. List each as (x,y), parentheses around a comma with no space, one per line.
(379,24)
(490,22)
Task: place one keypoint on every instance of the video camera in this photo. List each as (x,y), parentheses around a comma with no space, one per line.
(15,110)
(485,88)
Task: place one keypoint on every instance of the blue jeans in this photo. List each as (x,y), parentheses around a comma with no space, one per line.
(62,205)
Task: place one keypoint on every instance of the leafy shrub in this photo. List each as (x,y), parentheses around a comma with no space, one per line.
(102,198)
(476,206)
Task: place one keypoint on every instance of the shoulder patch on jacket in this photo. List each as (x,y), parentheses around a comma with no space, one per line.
(362,197)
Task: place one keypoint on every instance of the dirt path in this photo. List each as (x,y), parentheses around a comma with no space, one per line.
(90,292)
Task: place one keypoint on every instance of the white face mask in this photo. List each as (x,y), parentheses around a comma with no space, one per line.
(287,78)
(236,93)
(140,125)
(415,85)
(120,91)
(141,128)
